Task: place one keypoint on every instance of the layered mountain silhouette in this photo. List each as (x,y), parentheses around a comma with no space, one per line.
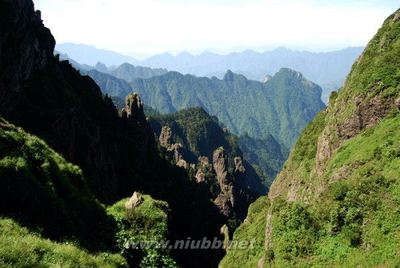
(327,69)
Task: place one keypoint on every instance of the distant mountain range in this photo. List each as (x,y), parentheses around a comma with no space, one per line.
(327,69)
(90,55)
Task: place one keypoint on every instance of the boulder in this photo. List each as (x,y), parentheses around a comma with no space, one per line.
(134,201)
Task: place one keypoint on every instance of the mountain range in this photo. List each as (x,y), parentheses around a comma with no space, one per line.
(268,116)
(328,69)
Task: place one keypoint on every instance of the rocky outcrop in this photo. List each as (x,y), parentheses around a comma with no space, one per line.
(203,167)
(134,201)
(134,108)
(239,167)
(175,149)
(225,200)
(220,166)
(366,115)
(166,137)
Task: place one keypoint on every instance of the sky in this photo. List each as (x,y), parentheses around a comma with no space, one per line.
(146,27)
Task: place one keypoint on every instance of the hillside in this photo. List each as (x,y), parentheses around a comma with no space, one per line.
(336,201)
(281,107)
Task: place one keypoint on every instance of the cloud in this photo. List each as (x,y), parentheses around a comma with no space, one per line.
(153,26)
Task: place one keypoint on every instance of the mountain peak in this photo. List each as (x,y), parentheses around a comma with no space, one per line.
(290,72)
(229,76)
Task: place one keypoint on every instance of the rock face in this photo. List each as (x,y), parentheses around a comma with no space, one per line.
(30,53)
(134,201)
(239,167)
(225,200)
(203,167)
(134,108)
(166,137)
(176,149)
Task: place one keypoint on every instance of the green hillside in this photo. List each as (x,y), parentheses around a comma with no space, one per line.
(336,202)
(281,107)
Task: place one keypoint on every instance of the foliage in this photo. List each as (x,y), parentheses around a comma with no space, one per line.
(42,190)
(250,229)
(266,154)
(281,107)
(146,223)
(21,248)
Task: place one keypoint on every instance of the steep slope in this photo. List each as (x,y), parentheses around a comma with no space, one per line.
(336,201)
(33,176)
(282,106)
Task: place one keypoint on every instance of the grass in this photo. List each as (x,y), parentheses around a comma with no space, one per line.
(147,222)
(252,228)
(22,248)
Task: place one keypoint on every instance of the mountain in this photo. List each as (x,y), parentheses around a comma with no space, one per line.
(281,107)
(70,162)
(129,72)
(90,55)
(109,84)
(266,155)
(336,201)
(199,143)
(326,69)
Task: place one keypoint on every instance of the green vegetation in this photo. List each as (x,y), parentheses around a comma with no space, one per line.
(281,107)
(249,230)
(339,206)
(42,190)
(21,248)
(197,131)
(146,223)
(267,156)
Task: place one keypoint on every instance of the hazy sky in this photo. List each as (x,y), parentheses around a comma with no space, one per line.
(154,26)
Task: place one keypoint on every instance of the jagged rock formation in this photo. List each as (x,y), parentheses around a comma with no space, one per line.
(336,201)
(226,199)
(176,149)
(204,168)
(211,155)
(239,167)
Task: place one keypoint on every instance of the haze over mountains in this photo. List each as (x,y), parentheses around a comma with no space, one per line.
(327,69)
